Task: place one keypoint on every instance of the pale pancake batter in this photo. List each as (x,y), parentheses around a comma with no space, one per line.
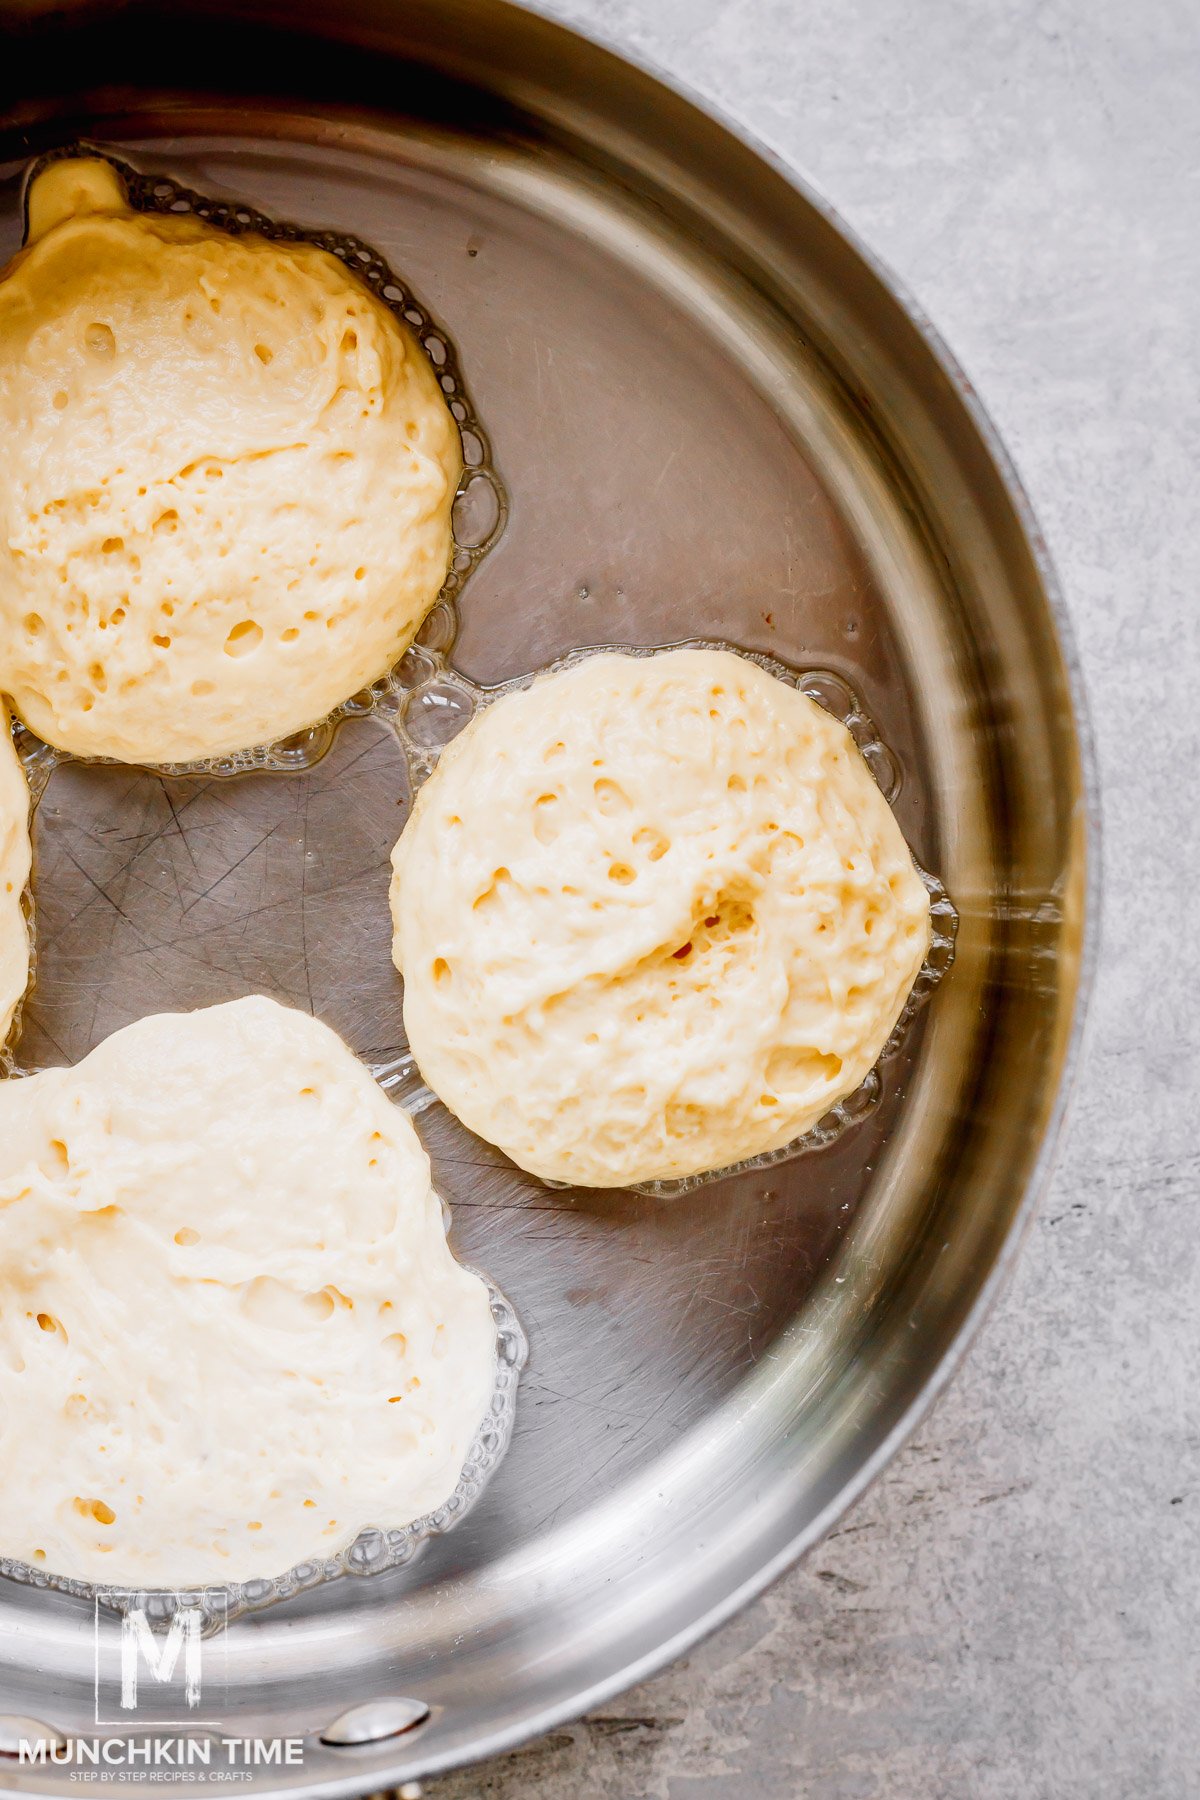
(231,1331)
(654,916)
(227,481)
(14,874)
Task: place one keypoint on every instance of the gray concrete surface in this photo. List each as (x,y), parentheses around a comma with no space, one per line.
(1013,1612)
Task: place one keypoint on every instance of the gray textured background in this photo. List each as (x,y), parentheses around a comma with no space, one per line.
(1014,1610)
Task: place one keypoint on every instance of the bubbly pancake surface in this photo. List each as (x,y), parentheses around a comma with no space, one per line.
(15,856)
(654,917)
(230,1322)
(225,499)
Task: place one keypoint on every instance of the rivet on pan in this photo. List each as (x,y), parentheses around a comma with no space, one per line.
(375,1720)
(17,1728)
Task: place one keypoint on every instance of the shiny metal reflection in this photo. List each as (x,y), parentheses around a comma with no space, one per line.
(375,1720)
(17,1729)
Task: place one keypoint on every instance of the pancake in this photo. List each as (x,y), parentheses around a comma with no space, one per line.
(14,874)
(229,1318)
(654,917)
(226,492)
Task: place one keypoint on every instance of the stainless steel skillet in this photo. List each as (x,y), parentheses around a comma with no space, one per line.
(715,416)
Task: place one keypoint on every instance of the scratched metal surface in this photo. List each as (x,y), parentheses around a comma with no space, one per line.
(156,893)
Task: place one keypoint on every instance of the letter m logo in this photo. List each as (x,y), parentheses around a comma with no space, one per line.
(155,1674)
(160,1654)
